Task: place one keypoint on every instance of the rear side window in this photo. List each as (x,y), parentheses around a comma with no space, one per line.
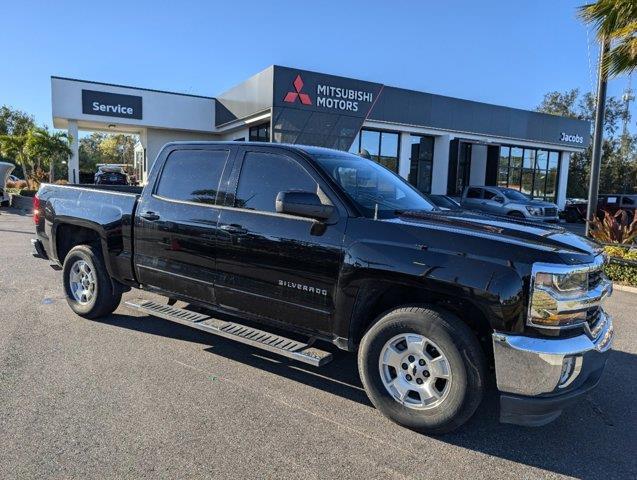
(192,175)
(264,175)
(473,193)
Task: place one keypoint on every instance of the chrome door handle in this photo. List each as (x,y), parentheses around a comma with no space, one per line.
(149,216)
(238,229)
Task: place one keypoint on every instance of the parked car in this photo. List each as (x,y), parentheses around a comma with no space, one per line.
(111,175)
(443,202)
(575,211)
(5,173)
(508,202)
(332,247)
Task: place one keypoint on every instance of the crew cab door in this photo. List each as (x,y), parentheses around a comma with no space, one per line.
(176,221)
(278,266)
(492,202)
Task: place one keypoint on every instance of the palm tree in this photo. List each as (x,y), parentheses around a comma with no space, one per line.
(615,22)
(14,146)
(47,148)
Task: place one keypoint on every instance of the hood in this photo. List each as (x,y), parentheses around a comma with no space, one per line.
(572,248)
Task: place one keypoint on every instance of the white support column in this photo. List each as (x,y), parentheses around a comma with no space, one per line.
(143,139)
(440,165)
(74,159)
(478,171)
(562,181)
(404,156)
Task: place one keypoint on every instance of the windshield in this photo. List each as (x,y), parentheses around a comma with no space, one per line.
(374,189)
(515,195)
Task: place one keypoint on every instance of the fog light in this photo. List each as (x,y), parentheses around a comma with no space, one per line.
(571,367)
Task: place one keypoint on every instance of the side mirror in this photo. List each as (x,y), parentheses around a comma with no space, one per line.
(303,204)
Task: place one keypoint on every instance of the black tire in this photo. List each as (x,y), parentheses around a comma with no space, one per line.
(515,214)
(106,297)
(462,350)
(572,216)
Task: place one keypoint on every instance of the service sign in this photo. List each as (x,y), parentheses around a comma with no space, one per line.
(111,104)
(328,93)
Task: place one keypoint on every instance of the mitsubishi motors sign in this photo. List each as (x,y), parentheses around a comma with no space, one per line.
(315,91)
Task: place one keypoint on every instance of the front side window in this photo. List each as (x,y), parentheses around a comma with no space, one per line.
(375,190)
(474,193)
(264,175)
(488,195)
(192,175)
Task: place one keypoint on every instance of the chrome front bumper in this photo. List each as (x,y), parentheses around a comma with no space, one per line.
(533,366)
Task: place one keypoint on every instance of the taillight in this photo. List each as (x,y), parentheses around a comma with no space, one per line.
(36,210)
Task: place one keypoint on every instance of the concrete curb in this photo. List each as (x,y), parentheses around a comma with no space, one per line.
(625,288)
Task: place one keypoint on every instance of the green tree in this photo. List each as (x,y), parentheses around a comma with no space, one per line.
(12,147)
(619,152)
(46,149)
(14,122)
(615,20)
(105,148)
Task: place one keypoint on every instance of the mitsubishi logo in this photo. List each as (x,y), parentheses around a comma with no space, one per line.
(291,97)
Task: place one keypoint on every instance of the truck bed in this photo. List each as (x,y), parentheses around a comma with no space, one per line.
(107,210)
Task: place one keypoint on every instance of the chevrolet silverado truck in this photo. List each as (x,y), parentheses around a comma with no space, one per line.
(287,247)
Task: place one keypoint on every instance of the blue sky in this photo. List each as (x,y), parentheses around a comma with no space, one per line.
(503,52)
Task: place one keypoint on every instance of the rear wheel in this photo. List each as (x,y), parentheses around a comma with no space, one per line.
(88,287)
(423,368)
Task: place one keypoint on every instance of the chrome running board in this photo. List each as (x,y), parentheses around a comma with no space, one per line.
(235,331)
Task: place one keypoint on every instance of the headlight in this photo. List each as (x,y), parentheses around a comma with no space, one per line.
(561,297)
(569,283)
(536,211)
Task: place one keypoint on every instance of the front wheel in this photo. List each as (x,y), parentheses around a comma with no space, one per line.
(88,287)
(423,368)
(515,214)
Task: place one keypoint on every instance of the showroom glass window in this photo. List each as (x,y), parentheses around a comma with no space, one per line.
(532,171)
(260,133)
(382,147)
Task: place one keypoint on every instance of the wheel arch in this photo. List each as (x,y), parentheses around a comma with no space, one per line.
(70,233)
(374,302)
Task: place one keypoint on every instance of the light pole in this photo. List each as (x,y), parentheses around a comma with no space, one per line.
(596,163)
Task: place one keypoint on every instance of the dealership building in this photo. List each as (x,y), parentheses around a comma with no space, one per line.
(439,144)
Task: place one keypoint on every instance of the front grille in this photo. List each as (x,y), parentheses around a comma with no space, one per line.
(594,319)
(550,212)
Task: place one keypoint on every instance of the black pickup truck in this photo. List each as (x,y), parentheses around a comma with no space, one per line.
(259,239)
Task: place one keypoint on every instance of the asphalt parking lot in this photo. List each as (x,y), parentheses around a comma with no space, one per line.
(132,397)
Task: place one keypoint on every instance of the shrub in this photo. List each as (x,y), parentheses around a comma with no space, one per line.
(61,182)
(614,228)
(620,272)
(20,184)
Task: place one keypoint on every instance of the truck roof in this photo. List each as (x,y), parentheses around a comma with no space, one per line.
(309,149)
